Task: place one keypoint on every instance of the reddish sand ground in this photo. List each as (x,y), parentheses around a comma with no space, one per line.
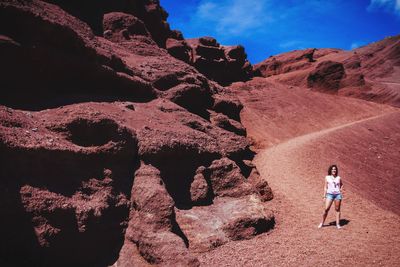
(296,143)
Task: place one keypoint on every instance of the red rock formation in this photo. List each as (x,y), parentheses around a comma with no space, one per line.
(223,64)
(65,181)
(93,150)
(92,13)
(74,65)
(179,49)
(152,221)
(150,15)
(119,27)
(369,72)
(107,136)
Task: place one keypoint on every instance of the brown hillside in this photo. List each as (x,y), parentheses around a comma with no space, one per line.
(371,72)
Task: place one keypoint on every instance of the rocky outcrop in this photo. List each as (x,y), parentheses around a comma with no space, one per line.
(223,64)
(85,169)
(226,179)
(179,49)
(148,18)
(64,181)
(74,64)
(85,67)
(92,12)
(152,221)
(200,188)
(119,27)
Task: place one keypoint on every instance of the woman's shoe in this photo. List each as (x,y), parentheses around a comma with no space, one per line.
(320,225)
(338,226)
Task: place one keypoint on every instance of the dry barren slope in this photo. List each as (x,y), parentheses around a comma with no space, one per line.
(275,112)
(368,153)
(362,138)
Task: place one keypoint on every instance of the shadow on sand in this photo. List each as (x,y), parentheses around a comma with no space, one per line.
(342,223)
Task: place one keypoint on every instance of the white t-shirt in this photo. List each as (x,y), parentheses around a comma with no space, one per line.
(333,184)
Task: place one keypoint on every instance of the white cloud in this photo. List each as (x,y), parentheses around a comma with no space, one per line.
(381,2)
(247,17)
(387,5)
(355,45)
(235,17)
(207,10)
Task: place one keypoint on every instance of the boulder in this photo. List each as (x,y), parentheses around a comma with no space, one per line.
(208,227)
(238,65)
(179,49)
(200,192)
(226,179)
(119,26)
(152,219)
(208,41)
(260,185)
(151,201)
(223,64)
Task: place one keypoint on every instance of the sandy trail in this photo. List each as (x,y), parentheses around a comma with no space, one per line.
(370,236)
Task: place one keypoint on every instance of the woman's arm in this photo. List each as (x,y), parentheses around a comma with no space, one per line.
(325,187)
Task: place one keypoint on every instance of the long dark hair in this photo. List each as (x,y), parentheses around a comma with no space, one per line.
(330,169)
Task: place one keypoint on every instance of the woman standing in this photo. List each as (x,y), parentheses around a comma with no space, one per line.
(332,193)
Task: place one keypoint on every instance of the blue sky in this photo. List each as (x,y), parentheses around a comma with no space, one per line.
(270,27)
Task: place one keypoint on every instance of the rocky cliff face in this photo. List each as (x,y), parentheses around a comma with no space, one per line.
(111,147)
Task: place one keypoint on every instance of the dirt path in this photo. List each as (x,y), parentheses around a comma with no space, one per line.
(370,236)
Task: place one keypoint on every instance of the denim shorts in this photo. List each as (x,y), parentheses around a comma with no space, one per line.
(334,196)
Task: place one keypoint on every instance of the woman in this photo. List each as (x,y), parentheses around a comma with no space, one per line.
(332,193)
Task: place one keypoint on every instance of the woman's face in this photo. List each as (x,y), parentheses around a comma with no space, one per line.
(334,171)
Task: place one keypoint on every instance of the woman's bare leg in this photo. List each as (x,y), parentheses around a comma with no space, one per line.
(337,208)
(328,203)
